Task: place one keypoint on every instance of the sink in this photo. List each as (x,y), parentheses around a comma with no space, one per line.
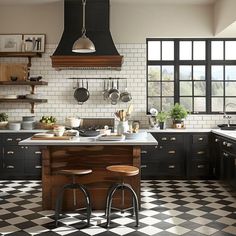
(226,127)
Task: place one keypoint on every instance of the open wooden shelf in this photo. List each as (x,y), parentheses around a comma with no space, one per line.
(25,100)
(23,82)
(29,55)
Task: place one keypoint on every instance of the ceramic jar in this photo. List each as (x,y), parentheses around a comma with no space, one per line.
(122,127)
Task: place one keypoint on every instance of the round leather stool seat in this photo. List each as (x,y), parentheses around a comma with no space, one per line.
(74,172)
(124,170)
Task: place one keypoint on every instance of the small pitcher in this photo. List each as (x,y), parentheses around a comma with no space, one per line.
(122,127)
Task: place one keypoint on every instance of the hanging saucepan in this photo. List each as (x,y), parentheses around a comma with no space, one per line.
(81,94)
(125,96)
(114,93)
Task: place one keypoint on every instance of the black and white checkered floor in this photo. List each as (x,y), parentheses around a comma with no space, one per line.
(193,208)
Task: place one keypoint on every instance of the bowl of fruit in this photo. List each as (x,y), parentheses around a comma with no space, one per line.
(47,122)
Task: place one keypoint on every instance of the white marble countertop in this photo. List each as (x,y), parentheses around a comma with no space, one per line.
(156,130)
(2,131)
(77,141)
(226,133)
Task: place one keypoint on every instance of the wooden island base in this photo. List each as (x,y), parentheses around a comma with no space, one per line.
(97,158)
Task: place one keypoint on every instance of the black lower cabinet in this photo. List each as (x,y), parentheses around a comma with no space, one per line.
(19,162)
(177,156)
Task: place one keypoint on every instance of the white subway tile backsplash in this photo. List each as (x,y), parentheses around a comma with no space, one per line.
(60,90)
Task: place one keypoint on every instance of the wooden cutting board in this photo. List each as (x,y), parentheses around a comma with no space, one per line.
(20,70)
(52,138)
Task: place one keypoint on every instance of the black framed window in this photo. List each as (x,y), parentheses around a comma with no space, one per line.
(198,73)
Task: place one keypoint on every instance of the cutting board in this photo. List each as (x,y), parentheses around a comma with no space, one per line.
(20,70)
(52,138)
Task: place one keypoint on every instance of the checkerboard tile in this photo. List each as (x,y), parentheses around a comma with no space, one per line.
(168,208)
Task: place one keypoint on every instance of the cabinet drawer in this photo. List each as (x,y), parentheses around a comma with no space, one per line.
(14,139)
(200,139)
(163,169)
(200,152)
(168,139)
(199,168)
(147,151)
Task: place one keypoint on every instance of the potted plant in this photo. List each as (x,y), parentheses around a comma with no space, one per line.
(161,118)
(178,113)
(3,119)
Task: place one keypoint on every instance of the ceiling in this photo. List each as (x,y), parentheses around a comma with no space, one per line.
(201,2)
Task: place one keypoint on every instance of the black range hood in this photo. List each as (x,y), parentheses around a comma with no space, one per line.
(97,29)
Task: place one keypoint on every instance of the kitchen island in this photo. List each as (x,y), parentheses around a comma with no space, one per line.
(88,153)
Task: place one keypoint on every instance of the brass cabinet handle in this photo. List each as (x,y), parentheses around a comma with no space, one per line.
(164,138)
(156,146)
(171,152)
(143,166)
(201,152)
(38,167)
(229,144)
(9,139)
(160,147)
(142,152)
(171,166)
(18,139)
(10,152)
(224,143)
(200,139)
(10,167)
(225,154)
(216,140)
(172,138)
(39,153)
(200,166)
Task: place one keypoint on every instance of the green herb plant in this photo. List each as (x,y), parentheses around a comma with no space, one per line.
(3,117)
(178,112)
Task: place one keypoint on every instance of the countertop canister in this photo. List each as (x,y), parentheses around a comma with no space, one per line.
(122,127)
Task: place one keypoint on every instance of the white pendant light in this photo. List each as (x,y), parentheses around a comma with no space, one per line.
(83,44)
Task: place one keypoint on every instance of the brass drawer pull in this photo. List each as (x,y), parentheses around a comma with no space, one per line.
(156,146)
(225,154)
(38,152)
(200,139)
(142,152)
(18,139)
(143,166)
(160,147)
(164,138)
(9,139)
(10,167)
(229,145)
(171,166)
(201,152)
(172,138)
(172,152)
(216,140)
(224,143)
(200,166)
(10,152)
(38,167)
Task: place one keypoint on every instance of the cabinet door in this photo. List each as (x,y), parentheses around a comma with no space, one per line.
(228,167)
(33,161)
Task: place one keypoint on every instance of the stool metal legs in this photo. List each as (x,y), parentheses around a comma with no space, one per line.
(111,192)
(60,198)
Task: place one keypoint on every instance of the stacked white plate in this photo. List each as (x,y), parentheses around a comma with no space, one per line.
(10,96)
(44,135)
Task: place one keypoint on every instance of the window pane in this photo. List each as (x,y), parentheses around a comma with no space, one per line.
(154,103)
(230,49)
(185,88)
(168,73)
(185,72)
(200,104)
(168,50)
(187,103)
(154,89)
(217,73)
(199,88)
(217,104)
(199,73)
(185,50)
(217,89)
(154,52)
(154,72)
(199,50)
(167,89)
(230,72)
(167,103)
(230,104)
(230,89)
(217,50)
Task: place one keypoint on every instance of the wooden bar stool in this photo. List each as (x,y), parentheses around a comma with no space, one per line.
(123,171)
(73,186)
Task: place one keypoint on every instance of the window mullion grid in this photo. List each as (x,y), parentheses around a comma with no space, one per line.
(176,71)
(208,77)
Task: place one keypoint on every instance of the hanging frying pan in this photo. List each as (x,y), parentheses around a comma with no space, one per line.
(81,94)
